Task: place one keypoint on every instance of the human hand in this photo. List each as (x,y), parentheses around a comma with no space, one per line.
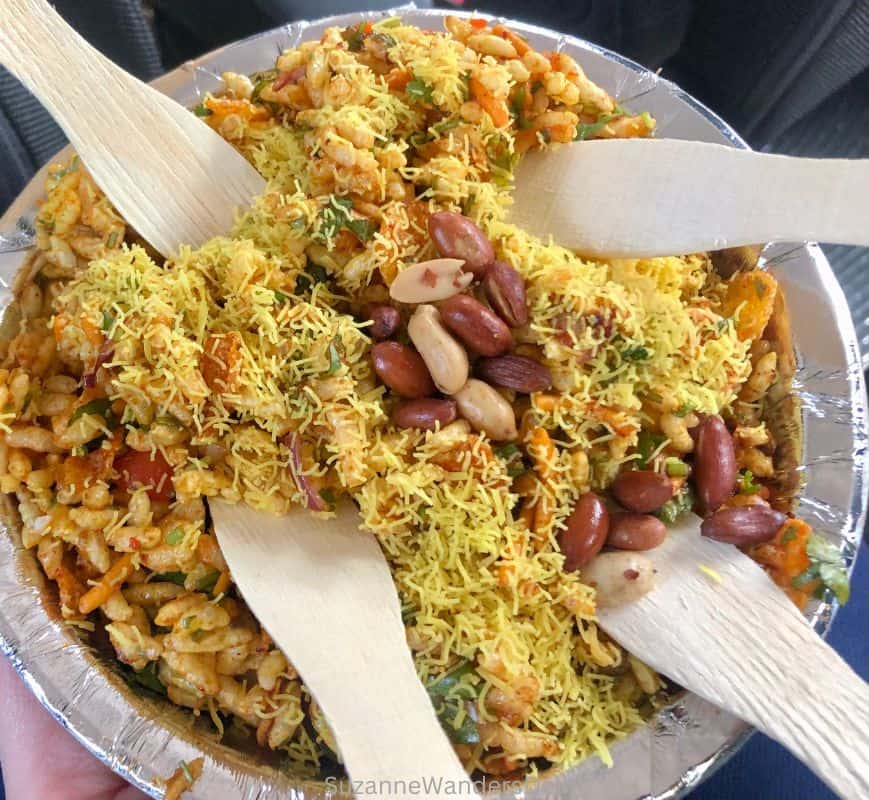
(40,760)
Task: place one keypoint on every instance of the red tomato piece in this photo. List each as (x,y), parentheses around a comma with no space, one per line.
(151,471)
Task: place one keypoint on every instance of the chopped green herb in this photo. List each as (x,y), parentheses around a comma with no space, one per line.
(419,91)
(168,420)
(805,577)
(636,352)
(260,85)
(108,321)
(827,560)
(447,684)
(73,167)
(355,36)
(446,125)
(507,451)
(789,535)
(334,358)
(447,711)
(363,229)
(513,457)
(102,407)
(206,583)
(148,678)
(178,578)
(685,409)
(647,444)
(174,536)
(676,506)
(299,224)
(280,297)
(722,325)
(676,468)
(746,483)
(187,621)
(586,130)
(112,240)
(202,110)
(387,40)
(328,496)
(517,106)
(408,613)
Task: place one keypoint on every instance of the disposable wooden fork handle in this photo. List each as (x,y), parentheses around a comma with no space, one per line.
(175,180)
(636,198)
(742,644)
(323,591)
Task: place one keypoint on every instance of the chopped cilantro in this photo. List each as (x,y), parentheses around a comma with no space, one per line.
(207,582)
(328,496)
(586,130)
(73,167)
(102,407)
(334,357)
(280,297)
(636,352)
(517,106)
(363,229)
(647,443)
(789,535)
(202,110)
(827,562)
(174,536)
(746,482)
(676,506)
(419,91)
(447,684)
(171,577)
(147,677)
(446,125)
(108,321)
(112,240)
(510,454)
(355,35)
(336,215)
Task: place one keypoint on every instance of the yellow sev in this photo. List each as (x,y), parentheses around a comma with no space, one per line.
(477,583)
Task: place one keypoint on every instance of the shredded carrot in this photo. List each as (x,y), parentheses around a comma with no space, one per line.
(495,107)
(117,574)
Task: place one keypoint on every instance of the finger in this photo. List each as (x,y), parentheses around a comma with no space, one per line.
(40,759)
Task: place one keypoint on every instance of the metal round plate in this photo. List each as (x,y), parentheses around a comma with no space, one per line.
(145,740)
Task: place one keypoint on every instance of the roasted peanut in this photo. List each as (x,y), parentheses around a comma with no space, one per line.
(429,281)
(480,329)
(505,291)
(456,236)
(714,463)
(619,578)
(520,373)
(445,358)
(385,322)
(402,369)
(585,531)
(486,410)
(642,490)
(743,525)
(424,414)
(635,531)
